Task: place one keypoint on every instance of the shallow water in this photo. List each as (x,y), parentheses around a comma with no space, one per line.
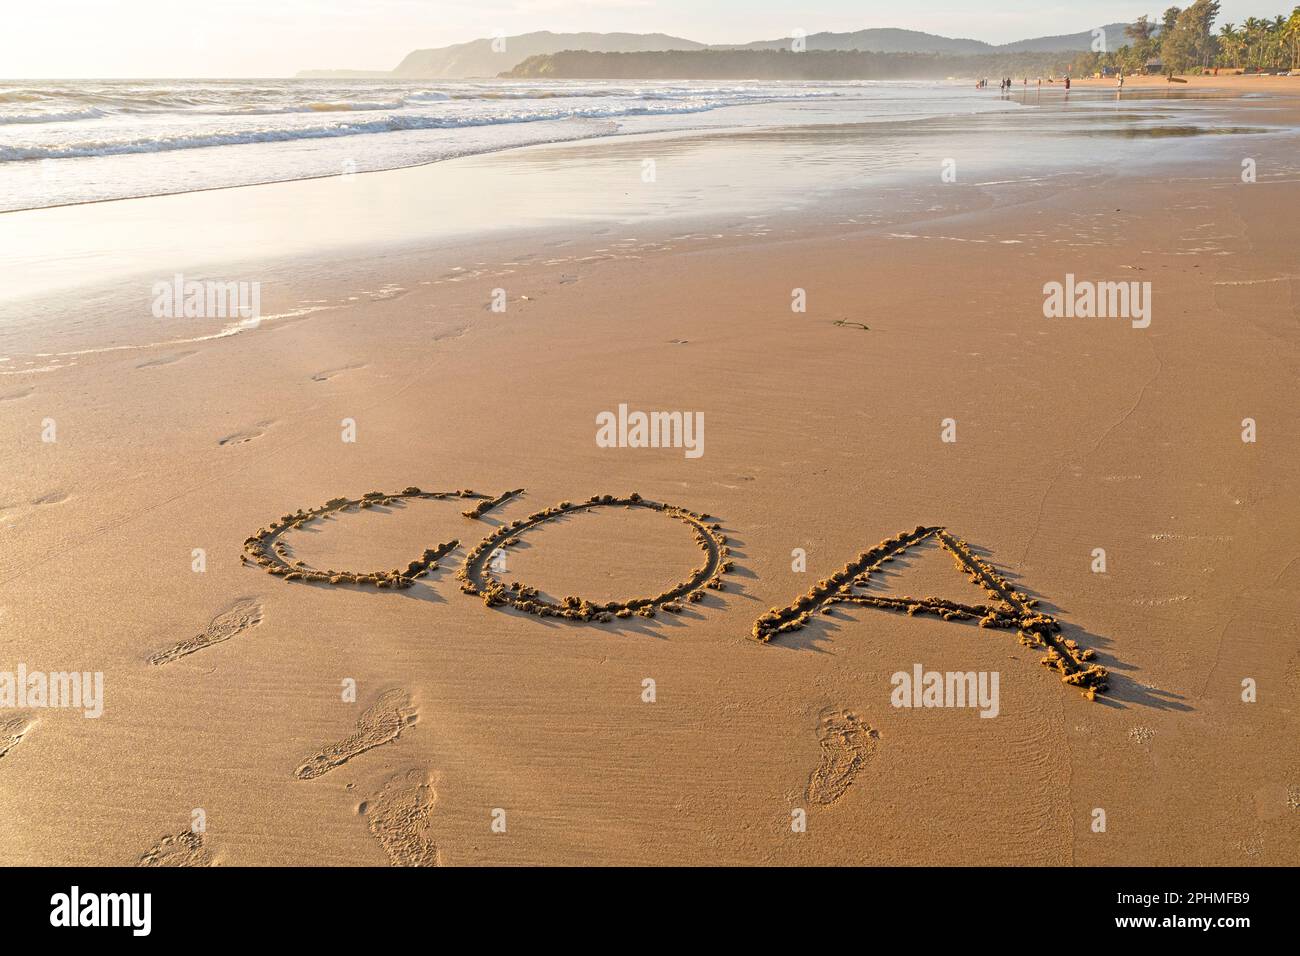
(757,168)
(78,141)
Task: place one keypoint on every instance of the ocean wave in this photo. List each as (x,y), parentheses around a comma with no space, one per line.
(69,117)
(68,102)
(531,94)
(198,107)
(21,96)
(389,124)
(313,107)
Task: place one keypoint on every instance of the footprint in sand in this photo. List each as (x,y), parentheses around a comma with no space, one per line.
(164,360)
(239,617)
(382,722)
(49,498)
(183,849)
(12,730)
(847,744)
(327,374)
(399,818)
(13,396)
(500,310)
(245,436)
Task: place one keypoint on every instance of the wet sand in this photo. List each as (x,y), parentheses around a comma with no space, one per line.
(224,689)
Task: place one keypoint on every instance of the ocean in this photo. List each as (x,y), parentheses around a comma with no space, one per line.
(64,142)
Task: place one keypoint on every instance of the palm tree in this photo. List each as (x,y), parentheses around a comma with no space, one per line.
(1277,42)
(1230,45)
(1293,37)
(1251,38)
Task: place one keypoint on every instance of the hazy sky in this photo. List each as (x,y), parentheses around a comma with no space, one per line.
(190,38)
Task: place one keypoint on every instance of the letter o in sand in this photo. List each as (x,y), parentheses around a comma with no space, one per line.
(476,575)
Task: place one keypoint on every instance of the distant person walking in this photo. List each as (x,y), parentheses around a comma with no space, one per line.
(1067,84)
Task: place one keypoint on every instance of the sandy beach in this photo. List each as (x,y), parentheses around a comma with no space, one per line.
(446,356)
(1227,82)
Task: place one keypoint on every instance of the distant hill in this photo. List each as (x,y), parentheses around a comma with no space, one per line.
(1070,42)
(877,40)
(781,64)
(911,41)
(477,58)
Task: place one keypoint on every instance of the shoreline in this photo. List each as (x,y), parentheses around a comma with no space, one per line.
(711,119)
(752,105)
(328,219)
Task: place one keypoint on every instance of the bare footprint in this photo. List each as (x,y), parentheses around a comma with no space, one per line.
(164,360)
(239,617)
(399,819)
(245,436)
(380,723)
(493,307)
(183,849)
(49,498)
(12,730)
(847,744)
(329,373)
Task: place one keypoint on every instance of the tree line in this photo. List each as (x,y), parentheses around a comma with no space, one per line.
(1185,41)
(783,65)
